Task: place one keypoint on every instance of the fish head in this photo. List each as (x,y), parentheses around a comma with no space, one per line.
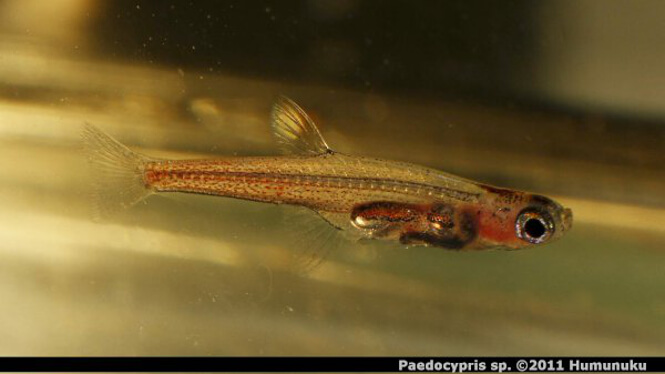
(516,220)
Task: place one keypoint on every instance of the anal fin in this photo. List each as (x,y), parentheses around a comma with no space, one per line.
(313,238)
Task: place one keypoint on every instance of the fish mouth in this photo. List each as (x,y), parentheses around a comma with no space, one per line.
(567,219)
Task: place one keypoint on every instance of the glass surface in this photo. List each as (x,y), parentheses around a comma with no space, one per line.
(562,98)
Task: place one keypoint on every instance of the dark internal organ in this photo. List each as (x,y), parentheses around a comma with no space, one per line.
(440,225)
(382,218)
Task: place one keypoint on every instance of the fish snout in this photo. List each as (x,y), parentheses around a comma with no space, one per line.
(567,219)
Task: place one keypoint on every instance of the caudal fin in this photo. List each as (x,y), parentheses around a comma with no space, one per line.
(117,173)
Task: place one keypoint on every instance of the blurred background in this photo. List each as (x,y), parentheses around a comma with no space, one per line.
(564,98)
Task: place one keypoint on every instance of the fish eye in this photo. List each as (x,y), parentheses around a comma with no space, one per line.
(534,226)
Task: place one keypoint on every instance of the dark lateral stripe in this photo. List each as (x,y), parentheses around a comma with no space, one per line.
(448,192)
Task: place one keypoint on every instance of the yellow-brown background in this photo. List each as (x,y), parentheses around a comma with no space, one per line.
(564,98)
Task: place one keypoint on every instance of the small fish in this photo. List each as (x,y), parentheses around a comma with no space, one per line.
(367,198)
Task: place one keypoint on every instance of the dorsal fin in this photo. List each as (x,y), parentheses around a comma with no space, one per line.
(294,130)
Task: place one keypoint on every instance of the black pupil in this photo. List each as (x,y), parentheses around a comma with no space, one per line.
(534,228)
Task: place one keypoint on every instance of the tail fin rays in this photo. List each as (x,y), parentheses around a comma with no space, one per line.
(117,173)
